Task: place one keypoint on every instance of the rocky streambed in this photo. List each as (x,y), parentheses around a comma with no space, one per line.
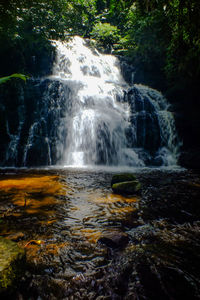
(82,241)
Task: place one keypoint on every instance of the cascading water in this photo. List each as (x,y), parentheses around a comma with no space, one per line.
(104,122)
(86,114)
(97,121)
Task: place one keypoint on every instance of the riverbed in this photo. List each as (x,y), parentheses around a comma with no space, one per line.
(72,227)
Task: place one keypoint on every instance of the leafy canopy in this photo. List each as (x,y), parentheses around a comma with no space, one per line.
(105,34)
(163,35)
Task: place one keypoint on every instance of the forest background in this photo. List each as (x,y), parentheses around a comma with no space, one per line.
(160,38)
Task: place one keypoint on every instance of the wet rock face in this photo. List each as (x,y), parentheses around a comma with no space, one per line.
(49,120)
(32,117)
(144,117)
(11,263)
(128,71)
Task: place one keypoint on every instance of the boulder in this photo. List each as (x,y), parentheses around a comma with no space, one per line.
(122,178)
(11,263)
(114,239)
(127,187)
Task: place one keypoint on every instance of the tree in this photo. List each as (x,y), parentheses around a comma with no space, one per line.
(106,35)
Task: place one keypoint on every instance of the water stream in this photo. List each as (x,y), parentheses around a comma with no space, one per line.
(85,114)
(72,227)
(107,122)
(82,241)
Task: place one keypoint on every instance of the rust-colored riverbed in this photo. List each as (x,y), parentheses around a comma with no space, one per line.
(72,227)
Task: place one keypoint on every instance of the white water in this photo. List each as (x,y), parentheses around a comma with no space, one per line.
(98,116)
(97,122)
(85,115)
(169,148)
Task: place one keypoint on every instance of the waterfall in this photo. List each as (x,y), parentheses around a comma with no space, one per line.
(97,119)
(152,126)
(102,119)
(86,114)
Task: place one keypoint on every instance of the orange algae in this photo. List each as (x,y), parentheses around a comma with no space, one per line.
(34,193)
(34,242)
(123,210)
(37,253)
(132,200)
(22,200)
(45,184)
(112,198)
(91,235)
(32,205)
(47,222)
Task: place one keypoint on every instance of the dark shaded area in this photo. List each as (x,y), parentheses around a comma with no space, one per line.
(32,122)
(186,106)
(32,57)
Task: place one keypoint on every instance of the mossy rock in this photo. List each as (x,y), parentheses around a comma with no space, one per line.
(122,178)
(127,187)
(12,260)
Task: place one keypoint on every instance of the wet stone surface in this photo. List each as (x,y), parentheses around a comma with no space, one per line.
(59,217)
(11,263)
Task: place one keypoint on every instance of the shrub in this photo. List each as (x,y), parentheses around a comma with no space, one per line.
(106,35)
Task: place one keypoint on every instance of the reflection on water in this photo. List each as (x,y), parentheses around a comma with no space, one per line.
(56,213)
(58,216)
(35,194)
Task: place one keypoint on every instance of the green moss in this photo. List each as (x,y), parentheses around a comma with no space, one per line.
(127,187)
(122,178)
(11,263)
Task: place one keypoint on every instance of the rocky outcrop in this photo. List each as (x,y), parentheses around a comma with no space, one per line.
(11,263)
(144,116)
(31,122)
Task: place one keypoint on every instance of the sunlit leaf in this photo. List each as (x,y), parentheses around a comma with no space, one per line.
(16,75)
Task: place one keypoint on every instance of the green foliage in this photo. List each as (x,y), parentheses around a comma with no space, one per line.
(80,16)
(158,35)
(147,32)
(165,36)
(25,30)
(20,18)
(21,76)
(183,50)
(105,34)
